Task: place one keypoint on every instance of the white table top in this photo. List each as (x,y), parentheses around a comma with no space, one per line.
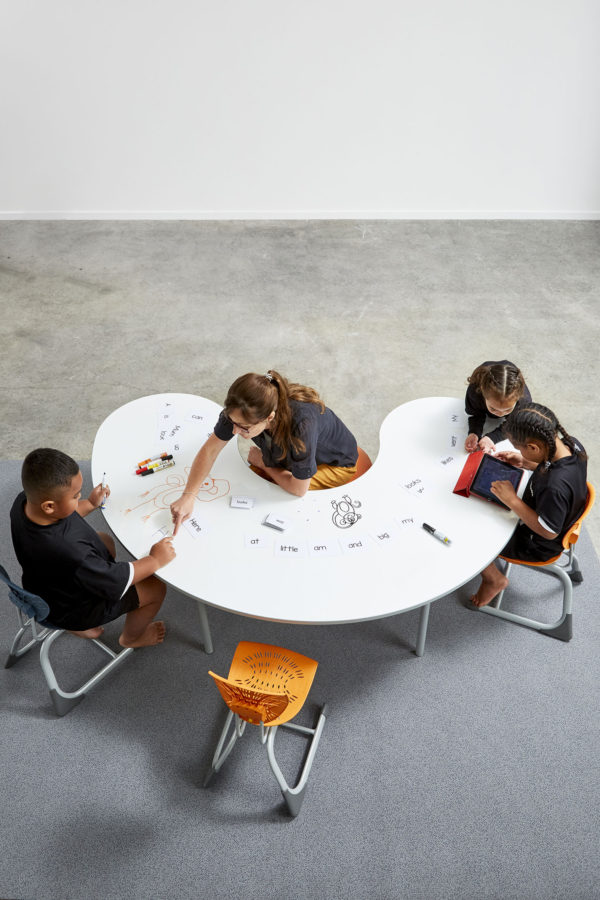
(317,571)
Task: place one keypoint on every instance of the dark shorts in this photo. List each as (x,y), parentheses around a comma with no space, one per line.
(100,613)
(529,547)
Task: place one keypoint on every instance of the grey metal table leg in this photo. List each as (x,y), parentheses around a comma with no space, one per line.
(205,628)
(422,633)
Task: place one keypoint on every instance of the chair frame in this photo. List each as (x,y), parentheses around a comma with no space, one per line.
(293,796)
(568,573)
(45,636)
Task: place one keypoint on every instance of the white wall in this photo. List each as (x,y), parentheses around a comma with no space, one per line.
(312,108)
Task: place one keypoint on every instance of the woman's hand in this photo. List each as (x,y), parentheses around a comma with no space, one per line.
(181,510)
(255,458)
(471,443)
(505,492)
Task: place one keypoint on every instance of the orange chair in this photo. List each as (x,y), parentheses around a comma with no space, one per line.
(267,686)
(568,573)
(363,464)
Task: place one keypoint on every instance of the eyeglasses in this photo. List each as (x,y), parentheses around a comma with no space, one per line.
(244,428)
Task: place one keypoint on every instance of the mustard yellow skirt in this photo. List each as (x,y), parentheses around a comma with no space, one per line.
(331,476)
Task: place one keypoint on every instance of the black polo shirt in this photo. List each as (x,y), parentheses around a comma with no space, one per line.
(477,411)
(326,438)
(68,565)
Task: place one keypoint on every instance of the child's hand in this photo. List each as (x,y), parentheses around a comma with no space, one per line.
(471,443)
(512,457)
(163,552)
(487,445)
(97,495)
(255,458)
(504,491)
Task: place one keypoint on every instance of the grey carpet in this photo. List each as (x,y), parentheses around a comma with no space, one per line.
(469,773)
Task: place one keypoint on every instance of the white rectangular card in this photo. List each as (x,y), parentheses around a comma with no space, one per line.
(276,522)
(406,521)
(414,485)
(258,542)
(354,543)
(195,526)
(289,548)
(242,502)
(325,547)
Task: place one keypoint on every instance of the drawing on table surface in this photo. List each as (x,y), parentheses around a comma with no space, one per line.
(344,512)
(160,496)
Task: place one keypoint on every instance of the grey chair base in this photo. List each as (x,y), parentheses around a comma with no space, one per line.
(293,796)
(568,574)
(62,701)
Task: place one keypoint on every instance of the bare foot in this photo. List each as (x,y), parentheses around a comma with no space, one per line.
(488,589)
(154,634)
(89,633)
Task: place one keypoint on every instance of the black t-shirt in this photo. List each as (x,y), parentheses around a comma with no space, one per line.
(326,438)
(68,565)
(477,411)
(558,496)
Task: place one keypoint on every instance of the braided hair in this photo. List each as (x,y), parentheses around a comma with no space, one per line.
(537,422)
(257,396)
(501,380)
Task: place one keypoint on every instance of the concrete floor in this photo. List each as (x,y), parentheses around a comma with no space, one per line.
(372,314)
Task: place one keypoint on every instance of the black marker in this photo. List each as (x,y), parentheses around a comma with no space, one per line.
(437,534)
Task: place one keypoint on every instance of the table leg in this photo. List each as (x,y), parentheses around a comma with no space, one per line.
(205,628)
(422,633)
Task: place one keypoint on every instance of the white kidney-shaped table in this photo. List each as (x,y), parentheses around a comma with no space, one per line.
(347,554)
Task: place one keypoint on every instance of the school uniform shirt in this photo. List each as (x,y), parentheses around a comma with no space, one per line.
(477,411)
(326,438)
(68,565)
(558,495)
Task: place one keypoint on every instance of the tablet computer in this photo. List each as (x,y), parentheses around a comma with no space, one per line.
(492,469)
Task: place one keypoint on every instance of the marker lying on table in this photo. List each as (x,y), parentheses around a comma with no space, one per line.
(103,504)
(144,462)
(436,534)
(154,465)
(152,471)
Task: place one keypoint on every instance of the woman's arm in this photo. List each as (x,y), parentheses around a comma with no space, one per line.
(282,477)
(182,508)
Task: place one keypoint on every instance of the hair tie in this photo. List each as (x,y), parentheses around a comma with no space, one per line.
(271,379)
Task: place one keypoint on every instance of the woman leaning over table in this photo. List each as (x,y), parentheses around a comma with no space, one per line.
(300,444)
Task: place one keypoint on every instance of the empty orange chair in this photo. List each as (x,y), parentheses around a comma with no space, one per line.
(568,573)
(267,687)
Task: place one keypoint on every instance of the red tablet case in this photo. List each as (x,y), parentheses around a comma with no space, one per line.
(466,477)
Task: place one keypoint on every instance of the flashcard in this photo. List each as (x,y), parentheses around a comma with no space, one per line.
(325,547)
(354,544)
(415,486)
(276,522)
(195,526)
(406,521)
(289,549)
(160,534)
(453,442)
(384,537)
(194,415)
(446,460)
(258,542)
(242,502)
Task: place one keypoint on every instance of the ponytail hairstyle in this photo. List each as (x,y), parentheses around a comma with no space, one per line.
(502,380)
(537,422)
(257,396)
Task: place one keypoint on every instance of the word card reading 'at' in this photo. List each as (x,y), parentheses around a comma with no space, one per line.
(195,526)
(258,542)
(415,486)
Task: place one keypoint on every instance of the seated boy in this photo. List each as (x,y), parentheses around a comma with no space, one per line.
(71,566)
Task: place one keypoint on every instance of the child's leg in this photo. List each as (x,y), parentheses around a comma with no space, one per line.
(492,582)
(139,629)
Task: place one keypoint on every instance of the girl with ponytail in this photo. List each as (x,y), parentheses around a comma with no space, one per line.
(495,390)
(300,444)
(554,497)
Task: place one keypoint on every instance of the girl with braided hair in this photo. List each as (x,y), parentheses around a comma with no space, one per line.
(300,444)
(495,390)
(554,498)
